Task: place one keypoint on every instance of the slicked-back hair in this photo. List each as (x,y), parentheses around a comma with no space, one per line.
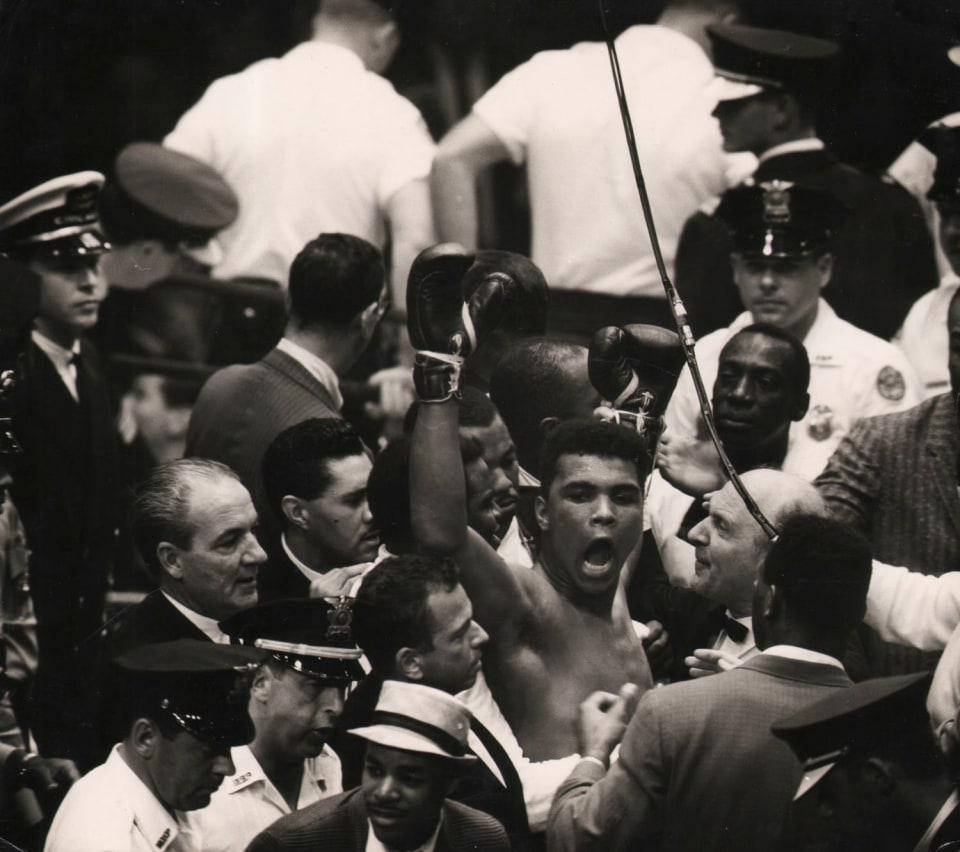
(591,438)
(822,568)
(161,505)
(533,383)
(390,612)
(297,460)
(333,278)
(798,365)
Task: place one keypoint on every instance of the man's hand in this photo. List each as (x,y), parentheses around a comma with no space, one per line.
(657,646)
(690,465)
(46,775)
(706,661)
(602,721)
(337,582)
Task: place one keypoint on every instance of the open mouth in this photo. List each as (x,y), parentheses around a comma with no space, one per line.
(598,557)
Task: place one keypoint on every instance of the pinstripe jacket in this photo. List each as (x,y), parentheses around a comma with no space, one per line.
(339,824)
(242,408)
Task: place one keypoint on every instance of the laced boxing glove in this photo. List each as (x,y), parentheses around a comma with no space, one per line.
(442,327)
(635,368)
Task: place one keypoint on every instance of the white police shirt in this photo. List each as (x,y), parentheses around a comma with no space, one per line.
(111,810)
(924,338)
(247,801)
(853,374)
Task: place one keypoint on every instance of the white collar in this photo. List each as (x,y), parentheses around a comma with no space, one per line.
(794,652)
(298,563)
(312,575)
(54,351)
(374,845)
(208,625)
(794,147)
(250,772)
(316,366)
(816,336)
(528,480)
(156,823)
(326,53)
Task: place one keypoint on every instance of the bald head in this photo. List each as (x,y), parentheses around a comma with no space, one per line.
(731,545)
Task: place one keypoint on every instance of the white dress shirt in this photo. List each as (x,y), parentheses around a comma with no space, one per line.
(62,360)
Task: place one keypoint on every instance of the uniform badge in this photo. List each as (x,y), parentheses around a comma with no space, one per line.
(339,617)
(821,422)
(776,202)
(890,384)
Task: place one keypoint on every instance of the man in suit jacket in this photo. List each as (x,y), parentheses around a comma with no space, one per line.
(67,488)
(416,732)
(895,478)
(770,85)
(315,479)
(687,774)
(337,295)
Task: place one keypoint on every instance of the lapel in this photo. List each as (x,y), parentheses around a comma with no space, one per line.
(297,373)
(48,385)
(941,450)
(357,814)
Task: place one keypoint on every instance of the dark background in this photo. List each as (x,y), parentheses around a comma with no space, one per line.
(80,78)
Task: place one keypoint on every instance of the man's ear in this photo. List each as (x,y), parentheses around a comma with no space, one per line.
(143,737)
(292,508)
(540,510)
(170,559)
(387,37)
(825,268)
(771,603)
(262,684)
(409,664)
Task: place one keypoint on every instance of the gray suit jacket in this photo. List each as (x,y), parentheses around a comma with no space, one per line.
(699,769)
(242,408)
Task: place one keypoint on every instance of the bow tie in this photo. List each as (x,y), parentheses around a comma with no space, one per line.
(735,630)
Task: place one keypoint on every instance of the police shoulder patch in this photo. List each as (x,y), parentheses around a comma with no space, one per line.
(891,384)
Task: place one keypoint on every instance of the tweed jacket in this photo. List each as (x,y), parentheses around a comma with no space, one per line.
(339,824)
(699,769)
(242,408)
(894,477)
(883,253)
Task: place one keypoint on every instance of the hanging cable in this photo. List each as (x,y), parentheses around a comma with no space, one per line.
(673,297)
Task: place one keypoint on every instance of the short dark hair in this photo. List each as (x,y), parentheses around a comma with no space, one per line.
(474,407)
(533,384)
(799,362)
(822,568)
(333,278)
(526,313)
(161,505)
(390,612)
(296,462)
(591,438)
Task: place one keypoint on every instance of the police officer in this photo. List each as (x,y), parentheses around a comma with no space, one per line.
(162,211)
(874,769)
(295,700)
(67,483)
(183,706)
(770,87)
(781,259)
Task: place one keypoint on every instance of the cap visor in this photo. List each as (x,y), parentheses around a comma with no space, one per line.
(209,254)
(810,778)
(729,90)
(400,738)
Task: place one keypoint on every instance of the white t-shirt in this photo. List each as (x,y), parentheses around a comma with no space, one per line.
(311,142)
(558,114)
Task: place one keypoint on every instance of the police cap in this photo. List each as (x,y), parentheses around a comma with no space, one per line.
(200,686)
(311,636)
(854,721)
(158,193)
(757,60)
(780,219)
(58,217)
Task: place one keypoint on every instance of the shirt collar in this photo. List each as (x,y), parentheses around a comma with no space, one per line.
(794,652)
(207,625)
(528,480)
(374,845)
(794,147)
(54,351)
(250,772)
(316,366)
(326,54)
(298,563)
(155,822)
(816,335)
(312,575)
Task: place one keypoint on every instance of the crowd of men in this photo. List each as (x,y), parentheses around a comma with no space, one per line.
(317,532)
